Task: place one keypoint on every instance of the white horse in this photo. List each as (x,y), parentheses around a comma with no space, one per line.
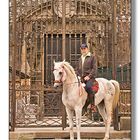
(74,96)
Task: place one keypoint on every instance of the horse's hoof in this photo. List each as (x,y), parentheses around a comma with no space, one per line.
(106,139)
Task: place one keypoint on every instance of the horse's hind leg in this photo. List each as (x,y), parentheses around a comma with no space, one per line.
(108,105)
(102,111)
(70,118)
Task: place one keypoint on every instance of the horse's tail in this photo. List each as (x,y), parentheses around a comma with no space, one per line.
(117,92)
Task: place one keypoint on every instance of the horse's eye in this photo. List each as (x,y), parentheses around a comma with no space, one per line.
(60,73)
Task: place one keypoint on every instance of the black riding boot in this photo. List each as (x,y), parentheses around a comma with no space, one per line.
(90,98)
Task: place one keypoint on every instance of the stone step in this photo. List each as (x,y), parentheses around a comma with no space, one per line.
(58,133)
(82,139)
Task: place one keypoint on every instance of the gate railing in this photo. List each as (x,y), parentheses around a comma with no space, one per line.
(32,112)
(123,75)
(125,103)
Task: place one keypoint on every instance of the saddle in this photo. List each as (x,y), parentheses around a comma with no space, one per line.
(95,86)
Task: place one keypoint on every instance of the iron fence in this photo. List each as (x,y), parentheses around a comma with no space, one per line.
(123,75)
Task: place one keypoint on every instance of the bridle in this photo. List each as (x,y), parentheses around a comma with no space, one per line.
(57,81)
(60,81)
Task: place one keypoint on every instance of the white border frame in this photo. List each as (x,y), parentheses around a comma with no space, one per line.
(136,72)
(4,70)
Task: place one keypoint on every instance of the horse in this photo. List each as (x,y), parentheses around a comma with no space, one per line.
(74,96)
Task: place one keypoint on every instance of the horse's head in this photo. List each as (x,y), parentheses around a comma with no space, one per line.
(59,74)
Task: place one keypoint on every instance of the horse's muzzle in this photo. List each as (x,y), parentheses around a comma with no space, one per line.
(57,83)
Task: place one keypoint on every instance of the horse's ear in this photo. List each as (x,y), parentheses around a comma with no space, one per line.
(64,60)
(54,61)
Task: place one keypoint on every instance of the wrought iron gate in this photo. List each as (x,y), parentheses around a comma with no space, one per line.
(42,31)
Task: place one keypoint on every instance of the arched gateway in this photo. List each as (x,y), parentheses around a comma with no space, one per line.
(48,30)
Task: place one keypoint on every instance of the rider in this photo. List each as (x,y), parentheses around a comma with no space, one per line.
(87,70)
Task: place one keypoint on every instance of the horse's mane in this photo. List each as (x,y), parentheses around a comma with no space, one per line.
(68,67)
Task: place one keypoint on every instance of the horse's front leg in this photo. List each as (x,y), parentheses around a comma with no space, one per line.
(78,112)
(70,118)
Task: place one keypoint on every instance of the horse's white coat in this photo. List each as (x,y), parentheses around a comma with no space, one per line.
(74,96)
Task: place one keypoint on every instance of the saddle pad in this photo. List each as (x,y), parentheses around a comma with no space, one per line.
(95,86)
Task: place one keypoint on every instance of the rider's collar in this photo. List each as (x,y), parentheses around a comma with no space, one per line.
(88,54)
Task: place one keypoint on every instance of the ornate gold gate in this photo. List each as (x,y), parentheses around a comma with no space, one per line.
(42,31)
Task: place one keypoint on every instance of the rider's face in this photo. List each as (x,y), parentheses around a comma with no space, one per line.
(84,50)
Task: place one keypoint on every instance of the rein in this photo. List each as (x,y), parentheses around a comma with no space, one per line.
(72,83)
(78,81)
(59,81)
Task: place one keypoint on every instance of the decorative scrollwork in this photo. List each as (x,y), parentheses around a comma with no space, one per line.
(70,8)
